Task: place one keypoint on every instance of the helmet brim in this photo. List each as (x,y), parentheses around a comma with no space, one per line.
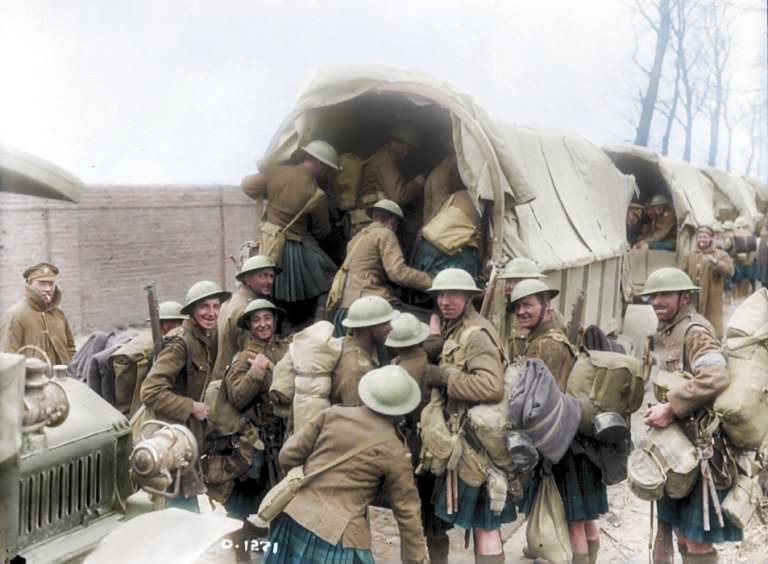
(223,296)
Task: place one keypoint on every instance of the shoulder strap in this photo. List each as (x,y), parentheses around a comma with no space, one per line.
(315,197)
(376,439)
(684,359)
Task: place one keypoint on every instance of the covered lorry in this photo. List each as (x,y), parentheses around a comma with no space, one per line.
(550,196)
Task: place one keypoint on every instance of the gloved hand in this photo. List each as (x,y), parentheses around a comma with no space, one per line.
(435,377)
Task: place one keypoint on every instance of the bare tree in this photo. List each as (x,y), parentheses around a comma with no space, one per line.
(719,43)
(660,24)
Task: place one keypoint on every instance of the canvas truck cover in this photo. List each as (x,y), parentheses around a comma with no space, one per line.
(570,197)
(22,173)
(761,191)
(740,193)
(692,192)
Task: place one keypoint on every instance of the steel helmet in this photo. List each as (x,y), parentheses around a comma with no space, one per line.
(530,287)
(389,206)
(369,311)
(323,152)
(201,291)
(170,310)
(389,390)
(256,305)
(257,262)
(706,227)
(406,134)
(407,331)
(455,279)
(741,222)
(520,267)
(668,280)
(658,200)
(729,225)
(717,227)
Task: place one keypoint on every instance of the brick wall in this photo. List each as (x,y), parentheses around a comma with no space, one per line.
(117,240)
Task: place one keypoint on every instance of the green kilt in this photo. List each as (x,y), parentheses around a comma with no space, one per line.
(474,508)
(686,515)
(291,544)
(432,260)
(581,486)
(307,271)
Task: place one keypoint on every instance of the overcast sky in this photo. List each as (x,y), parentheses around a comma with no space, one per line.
(130,91)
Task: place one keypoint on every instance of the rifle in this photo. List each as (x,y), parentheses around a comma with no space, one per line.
(573,329)
(490,290)
(154,319)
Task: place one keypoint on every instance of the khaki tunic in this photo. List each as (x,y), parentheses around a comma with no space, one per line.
(689,343)
(32,322)
(247,384)
(711,278)
(443,181)
(231,337)
(382,178)
(476,367)
(131,363)
(375,259)
(334,504)
(180,373)
(354,362)
(661,228)
(288,188)
(549,343)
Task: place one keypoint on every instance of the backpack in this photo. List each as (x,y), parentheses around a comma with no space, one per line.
(303,375)
(346,183)
(605,381)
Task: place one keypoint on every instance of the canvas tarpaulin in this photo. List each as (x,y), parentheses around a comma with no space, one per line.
(571,199)
(739,192)
(692,192)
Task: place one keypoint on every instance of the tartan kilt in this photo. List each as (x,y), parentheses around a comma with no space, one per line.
(432,260)
(687,516)
(474,508)
(307,271)
(292,544)
(581,486)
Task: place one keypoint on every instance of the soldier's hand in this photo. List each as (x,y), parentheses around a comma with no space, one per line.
(259,361)
(278,398)
(435,377)
(659,416)
(199,410)
(640,245)
(420,180)
(434,324)
(712,259)
(395,360)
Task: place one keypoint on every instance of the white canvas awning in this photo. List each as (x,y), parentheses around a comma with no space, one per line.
(570,198)
(740,193)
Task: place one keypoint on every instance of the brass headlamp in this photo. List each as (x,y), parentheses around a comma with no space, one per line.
(164,452)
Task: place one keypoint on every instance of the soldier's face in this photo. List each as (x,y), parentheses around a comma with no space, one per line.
(381,332)
(261,281)
(262,324)
(703,239)
(44,289)
(169,324)
(529,312)
(667,304)
(452,304)
(206,313)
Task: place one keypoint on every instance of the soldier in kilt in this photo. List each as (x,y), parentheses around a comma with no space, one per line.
(689,344)
(578,479)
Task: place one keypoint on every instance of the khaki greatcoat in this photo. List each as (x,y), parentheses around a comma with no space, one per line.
(32,322)
(710,277)
(443,181)
(374,259)
(334,505)
(247,384)
(383,178)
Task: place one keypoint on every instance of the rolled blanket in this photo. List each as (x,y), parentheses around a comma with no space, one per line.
(538,408)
